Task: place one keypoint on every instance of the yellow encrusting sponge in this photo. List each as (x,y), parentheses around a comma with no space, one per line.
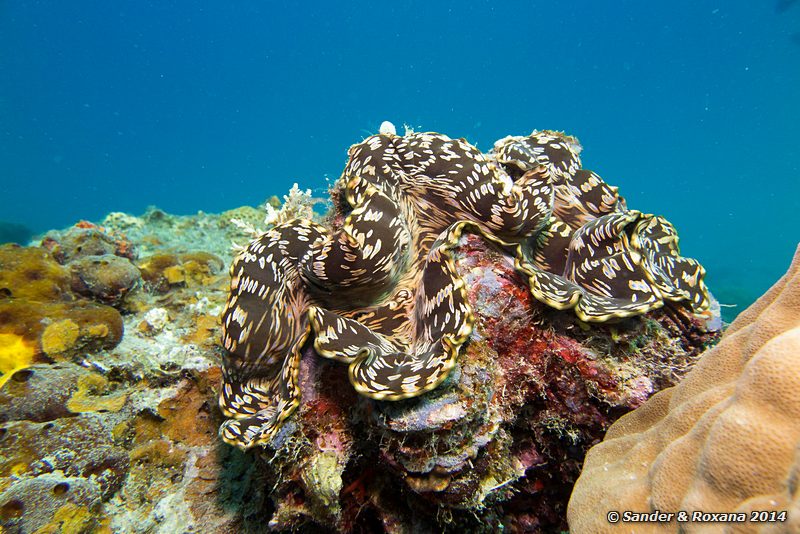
(15,354)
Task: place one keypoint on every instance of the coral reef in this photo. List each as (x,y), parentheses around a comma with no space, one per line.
(726,439)
(131,455)
(376,288)
(101,432)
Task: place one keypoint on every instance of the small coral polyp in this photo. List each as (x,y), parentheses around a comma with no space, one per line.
(377,288)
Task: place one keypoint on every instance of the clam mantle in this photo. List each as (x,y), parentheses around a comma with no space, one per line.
(377,288)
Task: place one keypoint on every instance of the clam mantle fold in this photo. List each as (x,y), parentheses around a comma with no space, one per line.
(377,287)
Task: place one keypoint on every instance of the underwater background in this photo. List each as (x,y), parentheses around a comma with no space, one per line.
(692,108)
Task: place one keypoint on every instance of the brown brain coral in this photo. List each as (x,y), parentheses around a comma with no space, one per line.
(726,439)
(378,289)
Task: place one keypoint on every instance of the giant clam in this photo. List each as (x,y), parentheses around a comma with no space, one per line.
(381,293)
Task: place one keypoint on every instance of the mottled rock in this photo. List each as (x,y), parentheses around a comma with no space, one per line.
(155,320)
(181,477)
(106,278)
(164,271)
(51,503)
(41,393)
(87,239)
(75,446)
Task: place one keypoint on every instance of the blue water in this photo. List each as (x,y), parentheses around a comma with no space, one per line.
(691,107)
